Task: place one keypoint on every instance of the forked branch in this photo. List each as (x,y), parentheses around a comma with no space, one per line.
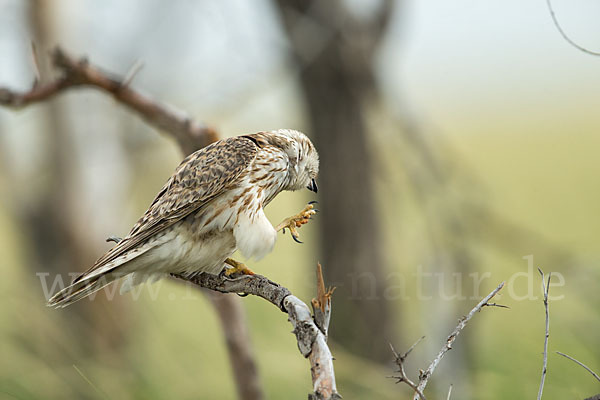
(190,135)
(425,375)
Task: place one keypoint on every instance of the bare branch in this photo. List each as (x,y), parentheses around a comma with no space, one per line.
(400,362)
(425,375)
(190,135)
(588,369)
(312,342)
(546,287)
(564,35)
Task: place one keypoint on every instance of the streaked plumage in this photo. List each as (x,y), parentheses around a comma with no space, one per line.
(211,206)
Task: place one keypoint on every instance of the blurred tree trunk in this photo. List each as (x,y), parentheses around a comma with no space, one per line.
(334,51)
(57,242)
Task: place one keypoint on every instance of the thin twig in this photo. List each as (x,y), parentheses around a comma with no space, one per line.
(588,369)
(495,305)
(321,304)
(546,287)
(403,377)
(449,392)
(425,375)
(564,35)
(89,382)
(135,68)
(36,65)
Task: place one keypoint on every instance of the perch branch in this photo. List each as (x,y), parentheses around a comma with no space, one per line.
(425,375)
(189,134)
(588,369)
(546,287)
(312,342)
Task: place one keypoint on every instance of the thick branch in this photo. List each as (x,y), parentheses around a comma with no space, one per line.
(312,342)
(190,135)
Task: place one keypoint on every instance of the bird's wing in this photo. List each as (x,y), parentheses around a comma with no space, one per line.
(201,177)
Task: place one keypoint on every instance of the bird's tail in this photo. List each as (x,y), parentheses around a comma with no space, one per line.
(80,288)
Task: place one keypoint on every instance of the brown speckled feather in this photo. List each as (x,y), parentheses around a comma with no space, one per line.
(202,176)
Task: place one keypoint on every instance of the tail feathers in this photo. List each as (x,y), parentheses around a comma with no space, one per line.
(138,278)
(80,289)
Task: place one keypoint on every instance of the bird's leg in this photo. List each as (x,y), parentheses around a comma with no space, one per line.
(296,221)
(237,267)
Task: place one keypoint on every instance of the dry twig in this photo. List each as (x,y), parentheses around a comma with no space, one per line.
(449,393)
(546,287)
(588,369)
(425,375)
(564,35)
(400,362)
(321,304)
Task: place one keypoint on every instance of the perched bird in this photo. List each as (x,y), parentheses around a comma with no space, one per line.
(212,205)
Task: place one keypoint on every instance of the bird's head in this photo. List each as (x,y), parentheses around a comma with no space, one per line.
(303,159)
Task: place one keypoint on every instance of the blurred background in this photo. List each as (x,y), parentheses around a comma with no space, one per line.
(459,144)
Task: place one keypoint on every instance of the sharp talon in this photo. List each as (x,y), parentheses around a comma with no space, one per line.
(313,202)
(242,294)
(296,239)
(315,210)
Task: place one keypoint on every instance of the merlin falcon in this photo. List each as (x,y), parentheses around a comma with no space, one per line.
(211,206)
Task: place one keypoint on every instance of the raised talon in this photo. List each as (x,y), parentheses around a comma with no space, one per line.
(237,267)
(297,221)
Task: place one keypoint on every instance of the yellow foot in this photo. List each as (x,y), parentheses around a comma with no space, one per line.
(237,267)
(292,223)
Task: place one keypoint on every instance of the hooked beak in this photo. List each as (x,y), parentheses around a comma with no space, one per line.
(312,186)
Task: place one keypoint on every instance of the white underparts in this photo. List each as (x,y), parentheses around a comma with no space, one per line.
(254,235)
